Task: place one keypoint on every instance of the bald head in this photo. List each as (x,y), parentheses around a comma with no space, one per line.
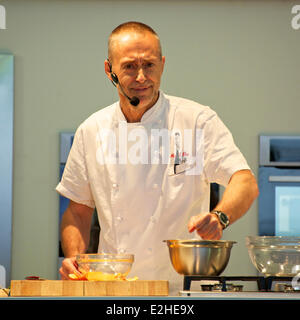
(130,27)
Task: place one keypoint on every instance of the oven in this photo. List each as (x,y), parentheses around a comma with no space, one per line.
(279,185)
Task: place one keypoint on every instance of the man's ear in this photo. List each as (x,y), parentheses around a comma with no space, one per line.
(163,58)
(107,69)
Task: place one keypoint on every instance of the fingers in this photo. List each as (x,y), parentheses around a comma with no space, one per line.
(68,266)
(192,223)
(211,235)
(207,226)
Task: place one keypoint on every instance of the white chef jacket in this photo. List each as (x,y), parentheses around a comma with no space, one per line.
(141,204)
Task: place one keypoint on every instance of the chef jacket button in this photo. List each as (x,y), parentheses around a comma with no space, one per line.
(119,218)
(115,185)
(121,250)
(155,186)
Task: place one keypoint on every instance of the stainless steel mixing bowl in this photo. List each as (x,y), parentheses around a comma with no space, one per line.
(199,257)
(275,255)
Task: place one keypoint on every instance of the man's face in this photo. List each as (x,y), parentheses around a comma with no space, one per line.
(137,62)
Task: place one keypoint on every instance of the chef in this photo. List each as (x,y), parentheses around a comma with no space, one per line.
(146,163)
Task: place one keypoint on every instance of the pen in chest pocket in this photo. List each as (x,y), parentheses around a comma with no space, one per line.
(177,160)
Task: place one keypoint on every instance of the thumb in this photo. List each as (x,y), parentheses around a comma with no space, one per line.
(192,224)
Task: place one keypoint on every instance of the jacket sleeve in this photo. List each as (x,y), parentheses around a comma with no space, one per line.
(75,184)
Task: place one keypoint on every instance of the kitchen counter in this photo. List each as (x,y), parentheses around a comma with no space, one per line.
(138,299)
(192,304)
(124,290)
(184,297)
(149,307)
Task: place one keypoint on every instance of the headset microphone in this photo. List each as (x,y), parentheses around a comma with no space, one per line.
(134,101)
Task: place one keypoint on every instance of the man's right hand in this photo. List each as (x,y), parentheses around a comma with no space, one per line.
(69,266)
(75,235)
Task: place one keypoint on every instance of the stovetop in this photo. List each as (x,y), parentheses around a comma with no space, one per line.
(244,295)
(225,286)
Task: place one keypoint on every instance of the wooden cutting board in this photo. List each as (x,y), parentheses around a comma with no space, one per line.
(126,288)
(31,288)
(4,293)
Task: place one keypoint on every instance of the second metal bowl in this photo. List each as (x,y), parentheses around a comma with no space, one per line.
(199,257)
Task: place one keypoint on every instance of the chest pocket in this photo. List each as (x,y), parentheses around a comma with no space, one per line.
(178,169)
(179,161)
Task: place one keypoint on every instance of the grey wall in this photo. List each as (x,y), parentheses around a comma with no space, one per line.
(239,57)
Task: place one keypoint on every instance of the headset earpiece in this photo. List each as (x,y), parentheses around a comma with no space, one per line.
(114,78)
(134,101)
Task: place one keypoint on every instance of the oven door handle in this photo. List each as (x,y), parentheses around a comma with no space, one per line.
(284,178)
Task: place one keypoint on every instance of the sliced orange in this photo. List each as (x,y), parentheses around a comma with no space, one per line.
(100,276)
(73,276)
(132,279)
